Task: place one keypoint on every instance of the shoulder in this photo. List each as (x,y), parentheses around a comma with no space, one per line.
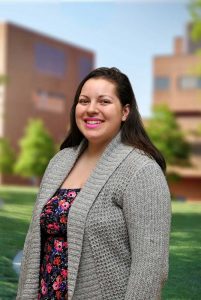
(139,160)
(61,155)
(137,167)
(145,173)
(58,161)
(140,169)
(145,179)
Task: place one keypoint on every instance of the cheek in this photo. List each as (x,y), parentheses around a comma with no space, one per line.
(77,116)
(78,112)
(117,114)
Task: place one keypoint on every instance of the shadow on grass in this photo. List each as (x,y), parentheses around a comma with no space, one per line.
(184,277)
(13,233)
(18,196)
(186,220)
(185,259)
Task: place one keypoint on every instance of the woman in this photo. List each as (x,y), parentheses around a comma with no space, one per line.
(106,189)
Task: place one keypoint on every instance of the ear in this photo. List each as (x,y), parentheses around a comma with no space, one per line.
(125,112)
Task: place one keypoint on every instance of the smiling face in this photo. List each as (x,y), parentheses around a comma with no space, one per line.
(99,112)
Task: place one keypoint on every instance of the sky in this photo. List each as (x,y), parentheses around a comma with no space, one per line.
(126,34)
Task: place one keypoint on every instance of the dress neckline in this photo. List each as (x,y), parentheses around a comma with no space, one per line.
(66,189)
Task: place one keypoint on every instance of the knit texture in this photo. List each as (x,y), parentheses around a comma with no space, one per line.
(118,227)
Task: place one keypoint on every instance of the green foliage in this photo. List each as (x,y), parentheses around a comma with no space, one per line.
(7,157)
(195,12)
(37,148)
(166,135)
(3,79)
(199,130)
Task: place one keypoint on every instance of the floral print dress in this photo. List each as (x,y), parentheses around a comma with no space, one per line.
(53,283)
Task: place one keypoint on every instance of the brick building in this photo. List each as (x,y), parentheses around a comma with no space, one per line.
(43,74)
(177,82)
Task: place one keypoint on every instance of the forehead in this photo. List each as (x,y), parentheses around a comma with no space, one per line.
(98,86)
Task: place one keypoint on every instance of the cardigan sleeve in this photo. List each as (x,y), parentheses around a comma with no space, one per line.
(24,260)
(147,210)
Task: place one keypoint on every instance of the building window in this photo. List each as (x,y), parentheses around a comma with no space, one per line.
(49,101)
(196,148)
(44,95)
(190,82)
(50,60)
(85,66)
(161,83)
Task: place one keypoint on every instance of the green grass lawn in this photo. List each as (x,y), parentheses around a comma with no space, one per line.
(185,244)
(14,221)
(185,253)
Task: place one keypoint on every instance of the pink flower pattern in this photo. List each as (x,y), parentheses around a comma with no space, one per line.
(53,283)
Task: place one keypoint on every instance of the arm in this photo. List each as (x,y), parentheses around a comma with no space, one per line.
(147,211)
(26,248)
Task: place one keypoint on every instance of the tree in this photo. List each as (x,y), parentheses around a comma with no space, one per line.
(37,148)
(166,135)
(195,12)
(7,157)
(3,79)
(198,131)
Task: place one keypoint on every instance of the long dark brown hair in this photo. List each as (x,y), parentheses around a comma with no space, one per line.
(132,130)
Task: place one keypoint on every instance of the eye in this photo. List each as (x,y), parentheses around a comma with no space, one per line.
(105,101)
(83,101)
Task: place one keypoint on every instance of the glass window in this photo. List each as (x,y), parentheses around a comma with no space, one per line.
(49,101)
(199,82)
(196,148)
(85,66)
(188,82)
(161,83)
(50,60)
(45,95)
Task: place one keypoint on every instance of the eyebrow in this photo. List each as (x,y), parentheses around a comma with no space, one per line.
(100,96)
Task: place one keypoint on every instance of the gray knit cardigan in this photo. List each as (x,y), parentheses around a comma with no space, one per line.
(118,228)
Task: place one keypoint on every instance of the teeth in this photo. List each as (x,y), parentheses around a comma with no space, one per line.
(93,122)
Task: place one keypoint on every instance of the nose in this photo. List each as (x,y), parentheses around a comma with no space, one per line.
(92,107)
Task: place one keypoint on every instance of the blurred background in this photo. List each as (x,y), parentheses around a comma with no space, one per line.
(46,49)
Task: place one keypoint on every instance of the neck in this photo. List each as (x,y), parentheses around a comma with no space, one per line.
(95,150)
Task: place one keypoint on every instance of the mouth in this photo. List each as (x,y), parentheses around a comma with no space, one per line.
(92,123)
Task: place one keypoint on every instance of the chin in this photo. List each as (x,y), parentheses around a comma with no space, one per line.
(93,137)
